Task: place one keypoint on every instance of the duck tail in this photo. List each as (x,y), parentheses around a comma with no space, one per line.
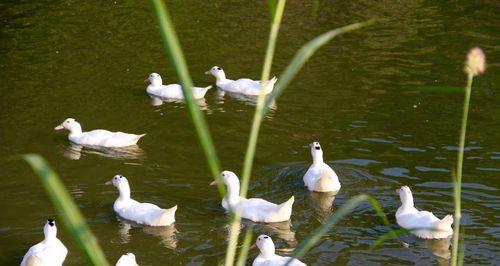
(446,222)
(167,216)
(285,208)
(208,87)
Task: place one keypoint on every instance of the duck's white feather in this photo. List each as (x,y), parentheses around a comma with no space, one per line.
(255,209)
(98,137)
(320,177)
(268,256)
(51,251)
(243,86)
(127,260)
(174,91)
(141,213)
(423,224)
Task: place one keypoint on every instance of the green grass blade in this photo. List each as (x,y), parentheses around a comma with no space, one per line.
(254,132)
(345,209)
(457,183)
(303,55)
(70,215)
(176,58)
(272,9)
(257,119)
(242,258)
(390,235)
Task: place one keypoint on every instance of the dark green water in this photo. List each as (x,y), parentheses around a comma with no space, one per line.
(369,98)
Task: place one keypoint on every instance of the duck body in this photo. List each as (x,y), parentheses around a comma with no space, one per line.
(409,217)
(172,91)
(268,257)
(320,177)
(50,252)
(141,213)
(242,86)
(98,137)
(254,209)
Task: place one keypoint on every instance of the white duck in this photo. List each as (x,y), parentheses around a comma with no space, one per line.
(51,251)
(98,137)
(174,91)
(267,256)
(410,218)
(141,213)
(320,177)
(127,260)
(243,86)
(255,209)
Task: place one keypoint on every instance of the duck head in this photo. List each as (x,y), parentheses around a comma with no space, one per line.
(316,152)
(70,124)
(50,229)
(154,79)
(265,245)
(127,259)
(232,182)
(405,195)
(121,183)
(217,72)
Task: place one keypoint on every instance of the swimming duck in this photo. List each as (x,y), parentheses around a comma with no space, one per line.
(255,209)
(141,213)
(173,91)
(98,137)
(320,177)
(51,251)
(127,260)
(243,86)
(267,256)
(410,218)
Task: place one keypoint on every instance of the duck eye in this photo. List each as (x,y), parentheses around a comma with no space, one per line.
(218,68)
(266,237)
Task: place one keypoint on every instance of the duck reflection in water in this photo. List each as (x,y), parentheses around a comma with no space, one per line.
(165,233)
(322,202)
(281,230)
(75,151)
(248,99)
(157,101)
(440,248)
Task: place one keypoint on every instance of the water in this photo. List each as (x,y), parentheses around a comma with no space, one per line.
(368,97)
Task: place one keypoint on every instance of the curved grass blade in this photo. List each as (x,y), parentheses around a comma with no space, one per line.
(176,58)
(70,215)
(345,209)
(303,55)
(242,258)
(390,235)
(257,120)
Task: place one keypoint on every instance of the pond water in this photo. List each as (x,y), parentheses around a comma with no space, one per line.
(373,98)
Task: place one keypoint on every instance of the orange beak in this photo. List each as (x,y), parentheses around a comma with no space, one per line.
(59,127)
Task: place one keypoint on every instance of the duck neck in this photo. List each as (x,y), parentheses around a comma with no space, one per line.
(220,77)
(50,235)
(268,251)
(124,191)
(318,159)
(233,191)
(407,201)
(76,129)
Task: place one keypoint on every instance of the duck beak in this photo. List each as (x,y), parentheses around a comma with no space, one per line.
(397,191)
(109,183)
(59,127)
(207,72)
(146,81)
(214,183)
(253,246)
